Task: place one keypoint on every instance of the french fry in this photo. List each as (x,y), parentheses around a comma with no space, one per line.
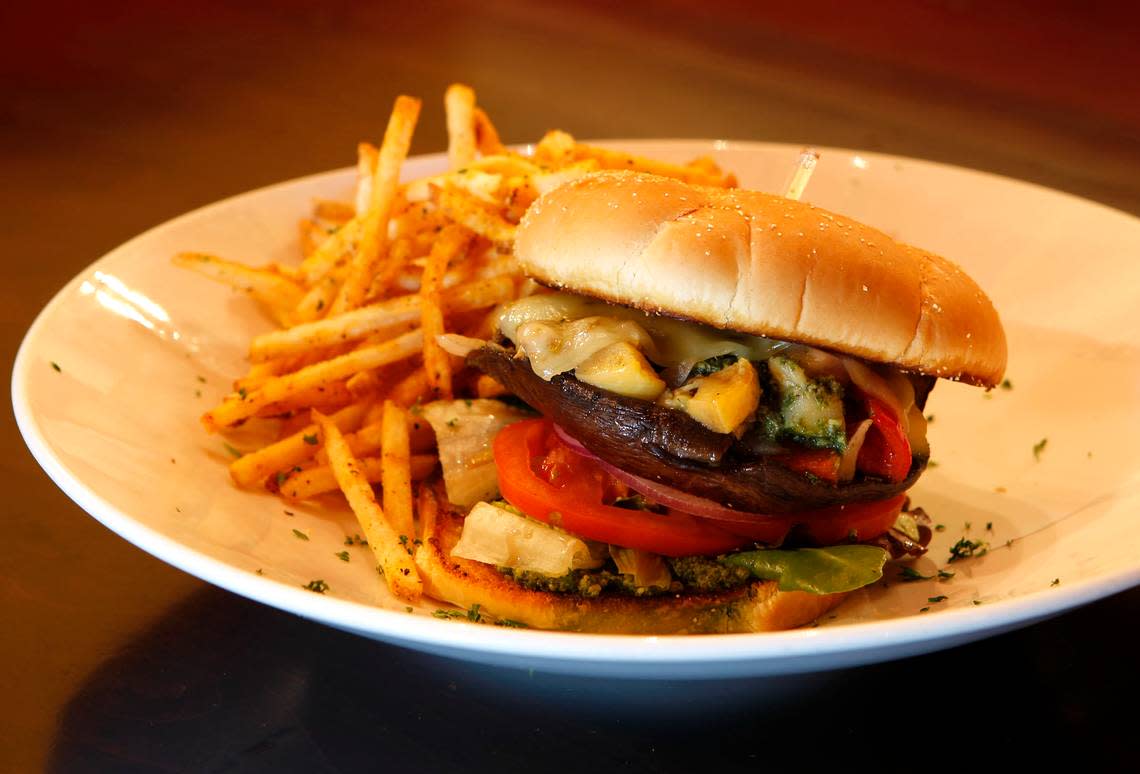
(556,149)
(312,235)
(610,159)
(397,258)
(411,389)
(369,439)
(333,251)
(318,300)
(466,209)
(253,468)
(489,387)
(459,104)
(427,508)
(508,164)
(451,242)
(366,155)
(374,236)
(334,211)
(326,397)
(365,383)
(486,135)
(259,372)
(235,408)
(396,471)
(277,293)
(309,482)
(388,545)
(376,318)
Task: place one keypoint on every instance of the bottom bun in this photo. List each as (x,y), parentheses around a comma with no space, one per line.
(758,607)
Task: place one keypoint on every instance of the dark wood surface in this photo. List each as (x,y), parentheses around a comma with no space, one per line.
(116,117)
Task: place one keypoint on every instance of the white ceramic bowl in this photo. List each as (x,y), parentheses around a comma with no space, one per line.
(142,348)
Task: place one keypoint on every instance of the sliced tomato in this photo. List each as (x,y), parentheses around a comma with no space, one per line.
(886,450)
(821,463)
(548,481)
(544,479)
(853,521)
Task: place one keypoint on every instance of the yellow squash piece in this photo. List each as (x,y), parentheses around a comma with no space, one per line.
(721,401)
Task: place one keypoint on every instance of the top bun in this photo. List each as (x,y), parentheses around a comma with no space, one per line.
(762,264)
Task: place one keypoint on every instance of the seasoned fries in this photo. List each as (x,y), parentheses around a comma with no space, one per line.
(374,232)
(451,242)
(459,102)
(396,469)
(381,276)
(391,552)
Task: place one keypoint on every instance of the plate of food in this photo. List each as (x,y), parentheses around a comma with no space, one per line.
(651,408)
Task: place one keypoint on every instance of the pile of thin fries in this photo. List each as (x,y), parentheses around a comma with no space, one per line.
(379,281)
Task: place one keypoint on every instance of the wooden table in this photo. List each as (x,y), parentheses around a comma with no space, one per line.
(116,119)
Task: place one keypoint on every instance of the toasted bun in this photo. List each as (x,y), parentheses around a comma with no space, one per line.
(762,264)
(755,608)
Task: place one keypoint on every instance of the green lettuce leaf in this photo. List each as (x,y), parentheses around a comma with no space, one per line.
(815,570)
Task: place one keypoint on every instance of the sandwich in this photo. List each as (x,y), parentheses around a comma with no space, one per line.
(728,390)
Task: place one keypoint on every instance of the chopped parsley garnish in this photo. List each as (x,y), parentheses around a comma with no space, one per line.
(966,548)
(310,439)
(511,624)
(407,608)
(242,393)
(342,555)
(319,586)
(55,365)
(1039,447)
(939,598)
(911,574)
(300,535)
(989,526)
(1006,384)
(453,422)
(939,527)
(908,574)
(280,478)
(1056,582)
(471,614)
(233,452)
(356,540)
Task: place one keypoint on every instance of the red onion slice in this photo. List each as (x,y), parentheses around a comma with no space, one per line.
(667,495)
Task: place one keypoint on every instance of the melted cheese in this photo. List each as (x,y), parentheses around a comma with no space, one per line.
(664,340)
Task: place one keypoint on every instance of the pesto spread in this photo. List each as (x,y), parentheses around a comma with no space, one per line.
(691,574)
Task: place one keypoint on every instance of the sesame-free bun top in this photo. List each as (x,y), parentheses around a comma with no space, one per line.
(762,264)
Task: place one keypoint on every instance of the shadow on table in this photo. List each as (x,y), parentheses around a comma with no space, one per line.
(223,684)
